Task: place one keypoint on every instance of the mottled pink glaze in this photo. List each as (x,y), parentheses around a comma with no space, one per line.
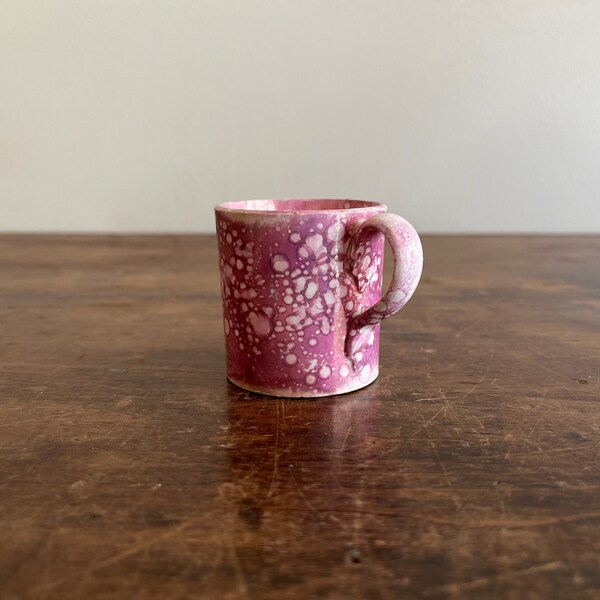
(301,288)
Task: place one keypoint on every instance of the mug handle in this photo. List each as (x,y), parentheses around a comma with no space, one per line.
(408,265)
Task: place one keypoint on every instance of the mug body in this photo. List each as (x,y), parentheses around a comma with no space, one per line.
(289,290)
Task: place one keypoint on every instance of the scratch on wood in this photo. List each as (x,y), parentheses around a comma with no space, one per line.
(137,548)
(483,582)
(241,577)
(276,456)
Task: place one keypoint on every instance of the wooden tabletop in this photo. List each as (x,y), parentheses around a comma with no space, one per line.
(130,467)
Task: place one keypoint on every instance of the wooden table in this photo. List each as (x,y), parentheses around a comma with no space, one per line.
(130,467)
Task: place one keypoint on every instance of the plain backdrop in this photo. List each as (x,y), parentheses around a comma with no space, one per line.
(141,115)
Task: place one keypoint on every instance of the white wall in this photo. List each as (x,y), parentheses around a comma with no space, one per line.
(140,115)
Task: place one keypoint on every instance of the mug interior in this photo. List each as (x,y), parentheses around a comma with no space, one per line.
(292,205)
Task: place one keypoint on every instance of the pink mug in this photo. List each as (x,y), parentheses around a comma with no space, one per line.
(301,288)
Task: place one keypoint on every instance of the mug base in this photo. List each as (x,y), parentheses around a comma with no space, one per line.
(278,393)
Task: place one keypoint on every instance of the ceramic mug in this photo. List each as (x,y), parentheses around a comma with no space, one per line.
(301,288)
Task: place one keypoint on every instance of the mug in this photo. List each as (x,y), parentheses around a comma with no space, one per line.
(301,288)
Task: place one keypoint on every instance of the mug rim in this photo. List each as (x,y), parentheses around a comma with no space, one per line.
(241,206)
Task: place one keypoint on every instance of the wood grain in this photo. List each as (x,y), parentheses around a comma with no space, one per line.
(130,467)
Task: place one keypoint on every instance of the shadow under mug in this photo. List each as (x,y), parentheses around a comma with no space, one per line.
(301,288)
